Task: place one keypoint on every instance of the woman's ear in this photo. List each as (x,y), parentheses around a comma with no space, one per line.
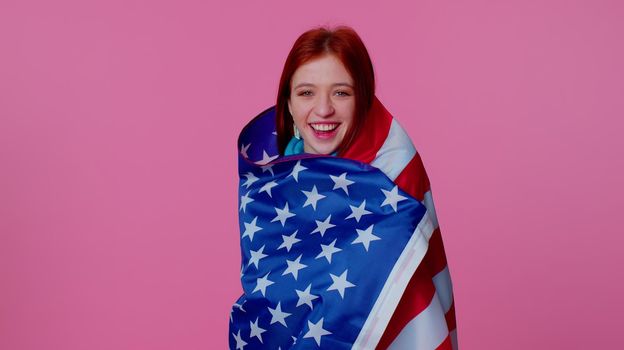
(289,108)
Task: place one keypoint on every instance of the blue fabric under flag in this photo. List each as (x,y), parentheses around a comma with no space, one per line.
(320,236)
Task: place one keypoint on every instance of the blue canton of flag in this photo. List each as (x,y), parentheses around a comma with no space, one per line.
(319,238)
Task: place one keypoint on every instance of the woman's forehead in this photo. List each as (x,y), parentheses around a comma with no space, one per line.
(326,70)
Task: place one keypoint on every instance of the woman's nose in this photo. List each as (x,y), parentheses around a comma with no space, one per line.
(324,107)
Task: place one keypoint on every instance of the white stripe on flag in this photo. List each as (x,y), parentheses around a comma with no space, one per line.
(426,331)
(395,153)
(428,202)
(395,285)
(444,288)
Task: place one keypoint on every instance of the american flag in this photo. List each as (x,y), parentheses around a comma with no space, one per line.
(339,253)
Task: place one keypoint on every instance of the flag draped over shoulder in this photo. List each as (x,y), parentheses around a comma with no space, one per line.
(339,252)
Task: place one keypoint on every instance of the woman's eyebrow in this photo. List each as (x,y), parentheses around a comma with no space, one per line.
(312,85)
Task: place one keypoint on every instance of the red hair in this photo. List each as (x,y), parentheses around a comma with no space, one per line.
(344,43)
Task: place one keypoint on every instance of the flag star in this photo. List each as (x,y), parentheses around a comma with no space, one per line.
(256,256)
(268,168)
(277,315)
(282,215)
(341,182)
(392,197)
(244,149)
(312,197)
(262,283)
(240,343)
(294,266)
(365,237)
(250,179)
(340,283)
(289,241)
(358,212)
(328,250)
(316,331)
(251,228)
(267,188)
(239,306)
(296,170)
(305,297)
(256,331)
(266,158)
(322,226)
(244,200)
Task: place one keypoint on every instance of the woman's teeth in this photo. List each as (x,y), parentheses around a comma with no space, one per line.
(324,127)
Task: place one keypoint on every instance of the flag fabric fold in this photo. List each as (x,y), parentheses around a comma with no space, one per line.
(339,252)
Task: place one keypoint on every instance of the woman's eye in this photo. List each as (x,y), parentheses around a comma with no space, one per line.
(305,93)
(342,93)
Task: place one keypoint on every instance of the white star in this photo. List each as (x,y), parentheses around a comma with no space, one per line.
(289,241)
(244,200)
(240,343)
(340,283)
(256,256)
(365,237)
(262,283)
(322,226)
(256,331)
(341,182)
(239,306)
(244,149)
(294,266)
(267,188)
(296,170)
(277,315)
(328,250)
(250,179)
(282,214)
(266,158)
(268,168)
(251,228)
(316,331)
(312,197)
(305,297)
(392,197)
(358,212)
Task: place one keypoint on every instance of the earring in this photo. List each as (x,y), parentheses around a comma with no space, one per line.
(296,131)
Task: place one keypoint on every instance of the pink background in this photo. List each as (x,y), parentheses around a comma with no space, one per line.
(118,179)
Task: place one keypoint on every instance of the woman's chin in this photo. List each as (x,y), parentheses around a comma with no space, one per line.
(320,149)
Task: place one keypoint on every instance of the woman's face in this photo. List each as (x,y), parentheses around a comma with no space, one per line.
(322,103)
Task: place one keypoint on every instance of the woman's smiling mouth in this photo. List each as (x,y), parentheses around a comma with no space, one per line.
(324,127)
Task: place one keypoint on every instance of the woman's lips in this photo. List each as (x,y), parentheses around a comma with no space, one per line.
(324,130)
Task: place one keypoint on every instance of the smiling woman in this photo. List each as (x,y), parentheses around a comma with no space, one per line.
(322,103)
(328,80)
(340,242)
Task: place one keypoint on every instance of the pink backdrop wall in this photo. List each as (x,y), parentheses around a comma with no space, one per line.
(118,127)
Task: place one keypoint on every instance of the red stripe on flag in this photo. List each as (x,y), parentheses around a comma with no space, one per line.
(417,296)
(450,318)
(435,255)
(372,136)
(413,179)
(446,344)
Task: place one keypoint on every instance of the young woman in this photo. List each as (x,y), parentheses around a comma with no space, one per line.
(340,243)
